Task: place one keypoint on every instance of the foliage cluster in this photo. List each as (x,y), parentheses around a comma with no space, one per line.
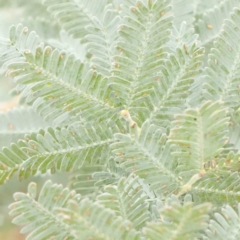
(139,101)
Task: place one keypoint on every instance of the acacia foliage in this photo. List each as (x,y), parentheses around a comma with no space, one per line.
(139,101)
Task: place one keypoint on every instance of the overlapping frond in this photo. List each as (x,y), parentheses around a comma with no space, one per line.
(225,225)
(63,149)
(92,220)
(60,213)
(74,16)
(17,122)
(222,74)
(94,23)
(218,187)
(145,30)
(198,136)
(228,160)
(92,178)
(39,216)
(175,79)
(60,86)
(19,40)
(183,222)
(110,174)
(102,40)
(183,36)
(128,200)
(10,160)
(148,156)
(83,182)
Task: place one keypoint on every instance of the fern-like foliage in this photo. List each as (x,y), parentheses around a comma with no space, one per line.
(57,207)
(52,196)
(138,100)
(175,80)
(62,149)
(219,187)
(179,222)
(102,47)
(137,65)
(128,200)
(55,77)
(96,25)
(63,219)
(151,159)
(192,137)
(82,180)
